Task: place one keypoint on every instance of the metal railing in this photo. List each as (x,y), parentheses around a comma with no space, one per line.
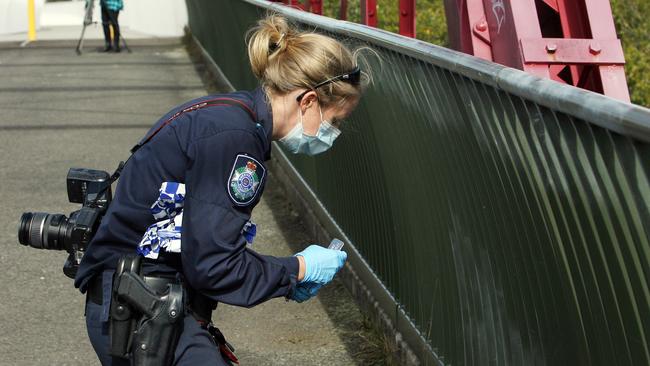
(503,219)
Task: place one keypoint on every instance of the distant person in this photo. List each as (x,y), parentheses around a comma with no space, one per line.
(110,12)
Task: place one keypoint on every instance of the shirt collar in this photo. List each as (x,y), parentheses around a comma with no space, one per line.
(262,108)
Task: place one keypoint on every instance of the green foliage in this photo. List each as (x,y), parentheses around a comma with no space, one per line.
(630,16)
(633,28)
(431,25)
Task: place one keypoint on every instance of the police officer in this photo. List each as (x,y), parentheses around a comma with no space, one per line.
(217,146)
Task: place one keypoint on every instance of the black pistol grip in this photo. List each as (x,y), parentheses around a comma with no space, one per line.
(136,293)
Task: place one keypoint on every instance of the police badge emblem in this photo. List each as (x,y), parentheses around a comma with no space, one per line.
(245,178)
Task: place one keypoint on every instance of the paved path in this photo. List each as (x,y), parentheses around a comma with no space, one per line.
(61,110)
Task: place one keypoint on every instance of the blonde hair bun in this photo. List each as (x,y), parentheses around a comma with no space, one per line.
(284,59)
(269,36)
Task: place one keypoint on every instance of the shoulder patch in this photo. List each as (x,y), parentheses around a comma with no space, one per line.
(246,176)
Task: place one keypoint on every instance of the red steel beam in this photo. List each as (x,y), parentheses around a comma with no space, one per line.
(574,25)
(572,51)
(479,31)
(407,18)
(343,10)
(316,6)
(369,12)
(467,28)
(614,83)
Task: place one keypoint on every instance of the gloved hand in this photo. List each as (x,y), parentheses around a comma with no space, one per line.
(305,291)
(321,264)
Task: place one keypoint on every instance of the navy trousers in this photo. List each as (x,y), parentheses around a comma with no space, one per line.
(195,347)
(109,17)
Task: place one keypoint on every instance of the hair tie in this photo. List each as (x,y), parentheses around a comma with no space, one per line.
(276,45)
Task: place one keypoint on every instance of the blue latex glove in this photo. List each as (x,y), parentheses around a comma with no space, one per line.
(321,264)
(305,291)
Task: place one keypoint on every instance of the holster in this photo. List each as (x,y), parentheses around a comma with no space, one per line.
(145,324)
(123,319)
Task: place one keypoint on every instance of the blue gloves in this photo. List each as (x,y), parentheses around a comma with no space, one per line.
(303,292)
(321,264)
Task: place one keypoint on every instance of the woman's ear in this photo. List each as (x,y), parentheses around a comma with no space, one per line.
(308,100)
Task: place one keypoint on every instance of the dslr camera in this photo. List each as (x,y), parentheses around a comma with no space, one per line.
(91,188)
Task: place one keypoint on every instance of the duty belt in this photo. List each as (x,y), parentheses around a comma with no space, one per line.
(95,291)
(200,306)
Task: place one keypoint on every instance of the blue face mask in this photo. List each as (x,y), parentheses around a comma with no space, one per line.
(297,142)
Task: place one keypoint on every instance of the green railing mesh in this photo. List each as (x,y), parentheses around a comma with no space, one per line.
(509,216)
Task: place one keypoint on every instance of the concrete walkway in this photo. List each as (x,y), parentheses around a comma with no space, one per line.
(61,110)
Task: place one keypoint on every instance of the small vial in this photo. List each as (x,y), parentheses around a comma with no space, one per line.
(336,244)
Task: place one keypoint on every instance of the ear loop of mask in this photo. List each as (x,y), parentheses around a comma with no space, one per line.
(296,141)
(324,124)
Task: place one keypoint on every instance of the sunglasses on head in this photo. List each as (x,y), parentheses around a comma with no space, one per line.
(353,77)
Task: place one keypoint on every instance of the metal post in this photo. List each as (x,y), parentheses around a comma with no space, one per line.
(343,10)
(468,29)
(407,18)
(369,12)
(31,16)
(511,24)
(316,6)
(614,83)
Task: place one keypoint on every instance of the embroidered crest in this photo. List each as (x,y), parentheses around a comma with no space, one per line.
(245,178)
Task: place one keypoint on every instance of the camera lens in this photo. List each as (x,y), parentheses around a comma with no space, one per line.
(42,230)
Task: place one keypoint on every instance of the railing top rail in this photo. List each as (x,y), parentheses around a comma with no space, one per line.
(626,119)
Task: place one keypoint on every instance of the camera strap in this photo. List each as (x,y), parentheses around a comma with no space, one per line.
(223,101)
(204,104)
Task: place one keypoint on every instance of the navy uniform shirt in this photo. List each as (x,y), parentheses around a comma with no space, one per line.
(211,150)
